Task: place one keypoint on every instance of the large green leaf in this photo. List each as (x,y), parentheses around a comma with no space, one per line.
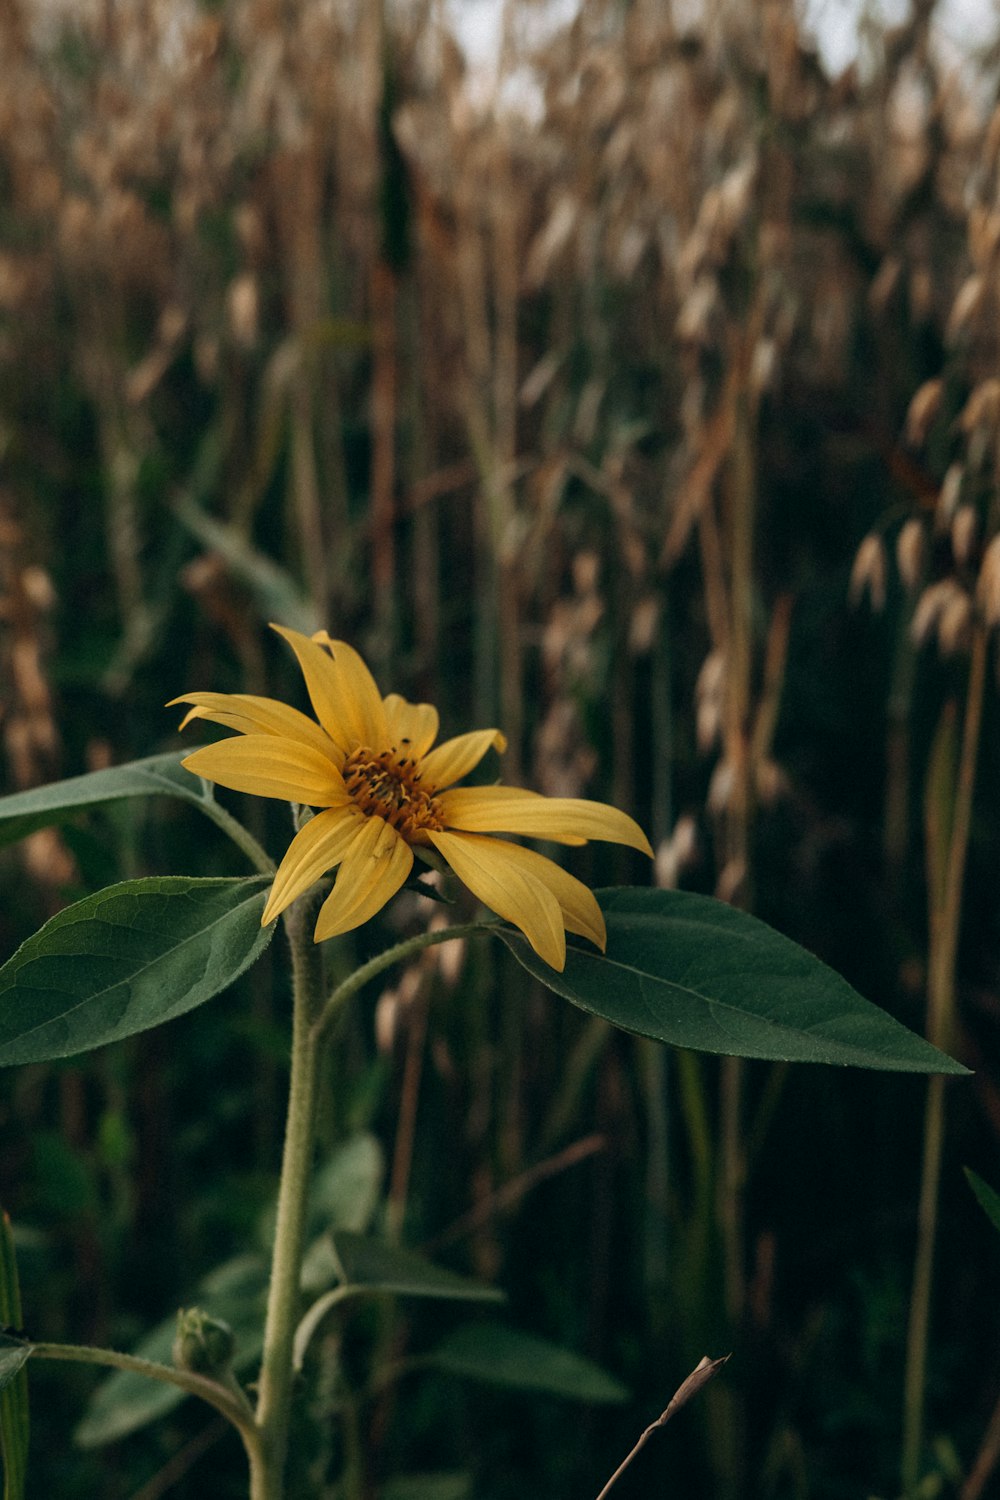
(687,970)
(126,959)
(24,812)
(497,1355)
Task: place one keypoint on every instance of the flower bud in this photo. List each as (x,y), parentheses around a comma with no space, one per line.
(202,1344)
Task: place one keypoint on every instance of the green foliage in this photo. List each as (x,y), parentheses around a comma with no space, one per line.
(374,1265)
(234,1293)
(128,958)
(22,813)
(494,1354)
(687,970)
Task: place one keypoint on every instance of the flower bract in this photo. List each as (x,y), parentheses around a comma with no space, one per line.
(381,787)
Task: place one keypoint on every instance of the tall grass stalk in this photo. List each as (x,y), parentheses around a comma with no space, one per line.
(948,818)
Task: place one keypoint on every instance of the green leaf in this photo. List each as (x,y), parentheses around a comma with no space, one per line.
(989,1200)
(377,1267)
(24,812)
(690,971)
(496,1355)
(369,1267)
(128,958)
(345,1190)
(126,1401)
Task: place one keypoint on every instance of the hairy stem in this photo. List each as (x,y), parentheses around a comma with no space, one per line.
(275,1386)
(397,954)
(230,1401)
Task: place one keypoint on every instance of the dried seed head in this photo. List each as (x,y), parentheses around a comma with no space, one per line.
(984,235)
(910,552)
(709,691)
(449,958)
(868,575)
(932,603)
(955,623)
(386,1021)
(923,409)
(642,625)
(665,871)
(964,530)
(770,781)
(731,881)
(699,320)
(720,787)
(676,853)
(949,496)
(243,306)
(982,410)
(965,307)
(763,366)
(885,283)
(988,585)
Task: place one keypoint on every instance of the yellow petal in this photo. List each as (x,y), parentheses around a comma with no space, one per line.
(456,758)
(372,871)
(268,766)
(412,727)
(318,846)
(505,809)
(250,714)
(510,887)
(342,691)
(494,809)
(580,911)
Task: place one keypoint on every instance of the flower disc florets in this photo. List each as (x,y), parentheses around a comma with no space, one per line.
(387,786)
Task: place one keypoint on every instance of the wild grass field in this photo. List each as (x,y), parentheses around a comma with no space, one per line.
(650,411)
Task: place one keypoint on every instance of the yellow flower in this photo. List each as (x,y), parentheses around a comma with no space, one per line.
(381,790)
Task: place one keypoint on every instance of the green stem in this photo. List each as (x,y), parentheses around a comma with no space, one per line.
(399,953)
(275,1384)
(310,1020)
(945,922)
(230,1401)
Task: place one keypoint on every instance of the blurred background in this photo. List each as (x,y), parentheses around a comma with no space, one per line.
(623,373)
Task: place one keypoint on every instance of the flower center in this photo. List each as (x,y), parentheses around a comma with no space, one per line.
(388,786)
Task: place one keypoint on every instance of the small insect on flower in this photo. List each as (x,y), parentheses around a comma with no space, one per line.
(382,789)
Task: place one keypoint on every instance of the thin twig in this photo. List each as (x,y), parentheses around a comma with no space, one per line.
(513,1191)
(700,1375)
